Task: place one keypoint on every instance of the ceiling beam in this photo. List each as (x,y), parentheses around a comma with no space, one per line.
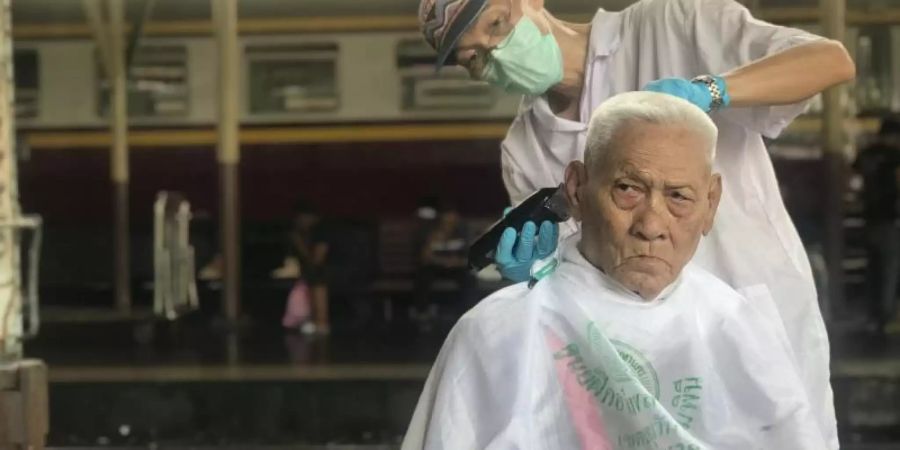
(349,24)
(321,134)
(245,26)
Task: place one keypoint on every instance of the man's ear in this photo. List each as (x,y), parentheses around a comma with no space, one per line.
(576,178)
(714,196)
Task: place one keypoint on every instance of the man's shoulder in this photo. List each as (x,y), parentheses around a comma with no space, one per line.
(508,302)
(500,317)
(694,273)
(677,12)
(711,290)
(645,8)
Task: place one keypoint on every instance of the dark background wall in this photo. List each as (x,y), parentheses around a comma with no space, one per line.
(71,187)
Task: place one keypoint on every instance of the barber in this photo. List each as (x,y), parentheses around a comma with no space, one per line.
(751,76)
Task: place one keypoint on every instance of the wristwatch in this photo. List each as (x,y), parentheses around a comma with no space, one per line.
(715,91)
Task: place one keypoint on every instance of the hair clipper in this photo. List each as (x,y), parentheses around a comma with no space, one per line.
(545,204)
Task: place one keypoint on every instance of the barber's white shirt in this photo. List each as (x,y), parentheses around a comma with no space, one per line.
(753,247)
(579,362)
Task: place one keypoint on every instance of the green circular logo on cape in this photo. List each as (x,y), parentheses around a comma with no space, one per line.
(638,367)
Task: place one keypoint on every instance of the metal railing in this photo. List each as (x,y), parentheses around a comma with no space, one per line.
(175,287)
(27,282)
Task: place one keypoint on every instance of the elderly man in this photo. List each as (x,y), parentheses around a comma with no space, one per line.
(753,77)
(627,345)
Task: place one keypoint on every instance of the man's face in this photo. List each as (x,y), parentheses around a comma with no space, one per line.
(645,204)
(492,26)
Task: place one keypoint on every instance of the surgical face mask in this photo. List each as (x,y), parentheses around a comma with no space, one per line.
(526,62)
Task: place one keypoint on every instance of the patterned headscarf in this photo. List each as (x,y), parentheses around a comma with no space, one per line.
(443,22)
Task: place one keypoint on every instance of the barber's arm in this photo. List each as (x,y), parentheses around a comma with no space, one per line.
(762,72)
(790,76)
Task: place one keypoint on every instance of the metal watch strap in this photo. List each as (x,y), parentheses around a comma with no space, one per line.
(714,91)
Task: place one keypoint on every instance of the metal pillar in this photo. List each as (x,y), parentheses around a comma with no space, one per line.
(107,21)
(119,158)
(11,324)
(225,20)
(23,384)
(834,144)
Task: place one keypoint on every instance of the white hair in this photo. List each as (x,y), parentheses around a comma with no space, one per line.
(648,107)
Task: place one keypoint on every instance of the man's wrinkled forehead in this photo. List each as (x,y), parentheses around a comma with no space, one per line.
(642,149)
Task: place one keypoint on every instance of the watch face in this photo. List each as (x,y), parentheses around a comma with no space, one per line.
(713,86)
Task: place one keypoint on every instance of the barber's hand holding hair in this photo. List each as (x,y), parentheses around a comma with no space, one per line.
(707,92)
(514,257)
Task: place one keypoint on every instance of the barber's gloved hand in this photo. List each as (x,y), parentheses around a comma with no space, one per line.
(697,92)
(514,259)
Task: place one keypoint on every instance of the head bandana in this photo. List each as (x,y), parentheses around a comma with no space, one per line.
(443,22)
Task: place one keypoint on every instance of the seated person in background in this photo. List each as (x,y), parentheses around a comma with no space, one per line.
(627,345)
(441,255)
(307,254)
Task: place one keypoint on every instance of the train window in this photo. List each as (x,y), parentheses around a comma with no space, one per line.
(451,88)
(25,63)
(292,78)
(157,83)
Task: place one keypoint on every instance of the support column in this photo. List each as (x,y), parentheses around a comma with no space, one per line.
(119,157)
(23,384)
(11,325)
(834,143)
(225,22)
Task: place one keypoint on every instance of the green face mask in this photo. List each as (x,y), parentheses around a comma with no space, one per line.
(526,62)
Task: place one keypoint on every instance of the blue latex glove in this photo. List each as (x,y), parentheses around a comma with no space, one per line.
(514,260)
(692,91)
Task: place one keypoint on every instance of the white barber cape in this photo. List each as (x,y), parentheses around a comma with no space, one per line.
(579,362)
(753,246)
